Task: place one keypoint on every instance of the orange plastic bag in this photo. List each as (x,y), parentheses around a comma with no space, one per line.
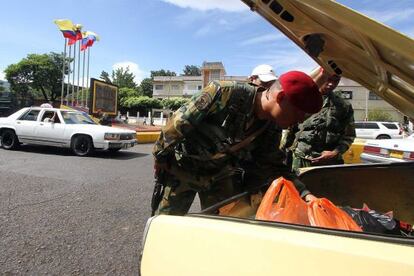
(289,207)
(324,213)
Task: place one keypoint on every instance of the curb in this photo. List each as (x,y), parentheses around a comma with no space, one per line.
(147,137)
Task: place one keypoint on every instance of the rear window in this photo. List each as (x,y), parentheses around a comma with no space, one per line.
(390,126)
(30,115)
(367,125)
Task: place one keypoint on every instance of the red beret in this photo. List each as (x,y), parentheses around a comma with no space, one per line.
(301,91)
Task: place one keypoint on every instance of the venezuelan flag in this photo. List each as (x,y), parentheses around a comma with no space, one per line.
(78,34)
(88,39)
(66,27)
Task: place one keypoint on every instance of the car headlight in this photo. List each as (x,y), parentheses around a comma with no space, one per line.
(112,136)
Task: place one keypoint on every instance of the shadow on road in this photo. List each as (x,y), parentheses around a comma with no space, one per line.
(45,150)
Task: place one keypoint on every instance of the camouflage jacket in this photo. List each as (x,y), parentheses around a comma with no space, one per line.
(216,119)
(330,129)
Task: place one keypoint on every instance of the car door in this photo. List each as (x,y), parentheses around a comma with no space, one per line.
(26,124)
(362,131)
(50,129)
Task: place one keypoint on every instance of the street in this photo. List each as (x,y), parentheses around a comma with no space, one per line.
(62,214)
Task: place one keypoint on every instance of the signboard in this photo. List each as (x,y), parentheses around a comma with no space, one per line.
(104,97)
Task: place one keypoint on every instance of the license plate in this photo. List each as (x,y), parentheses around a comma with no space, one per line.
(396,154)
(128,145)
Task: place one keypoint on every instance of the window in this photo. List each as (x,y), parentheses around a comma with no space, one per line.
(191,87)
(30,115)
(159,87)
(200,87)
(367,125)
(174,87)
(347,95)
(51,116)
(373,96)
(390,126)
(215,75)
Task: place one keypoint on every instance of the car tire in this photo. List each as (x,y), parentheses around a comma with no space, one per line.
(82,145)
(383,136)
(114,150)
(9,140)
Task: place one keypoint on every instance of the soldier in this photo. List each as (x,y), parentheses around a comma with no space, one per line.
(227,133)
(323,137)
(262,76)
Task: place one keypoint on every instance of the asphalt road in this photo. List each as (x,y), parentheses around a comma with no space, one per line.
(62,214)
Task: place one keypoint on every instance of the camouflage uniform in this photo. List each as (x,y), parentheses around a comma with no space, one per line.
(196,143)
(330,129)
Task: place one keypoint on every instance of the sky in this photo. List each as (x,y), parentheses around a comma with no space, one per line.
(148,35)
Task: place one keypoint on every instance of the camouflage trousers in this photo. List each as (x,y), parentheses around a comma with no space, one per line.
(299,162)
(179,193)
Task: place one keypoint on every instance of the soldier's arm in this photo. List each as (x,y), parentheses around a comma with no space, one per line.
(185,119)
(349,134)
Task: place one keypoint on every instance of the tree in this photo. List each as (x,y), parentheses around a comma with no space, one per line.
(146,87)
(173,103)
(162,72)
(192,70)
(121,77)
(105,77)
(379,115)
(125,93)
(36,72)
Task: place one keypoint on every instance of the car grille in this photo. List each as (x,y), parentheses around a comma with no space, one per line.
(127,136)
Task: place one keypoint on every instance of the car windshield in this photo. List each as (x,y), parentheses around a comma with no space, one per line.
(71,118)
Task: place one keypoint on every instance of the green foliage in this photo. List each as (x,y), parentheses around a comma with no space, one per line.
(125,93)
(142,102)
(192,70)
(163,72)
(173,103)
(123,78)
(146,87)
(105,77)
(379,115)
(42,73)
(120,77)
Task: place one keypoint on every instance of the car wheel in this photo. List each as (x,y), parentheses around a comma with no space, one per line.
(383,136)
(114,150)
(82,145)
(9,140)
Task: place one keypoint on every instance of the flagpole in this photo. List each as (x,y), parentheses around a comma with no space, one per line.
(83,79)
(77,88)
(63,74)
(69,69)
(87,78)
(73,77)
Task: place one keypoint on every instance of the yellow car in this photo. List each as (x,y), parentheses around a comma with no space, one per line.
(225,239)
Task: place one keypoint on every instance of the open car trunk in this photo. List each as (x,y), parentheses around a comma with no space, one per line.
(383,187)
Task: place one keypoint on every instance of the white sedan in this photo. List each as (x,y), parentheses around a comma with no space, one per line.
(62,128)
(385,151)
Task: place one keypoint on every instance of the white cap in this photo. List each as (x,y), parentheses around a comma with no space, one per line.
(264,72)
(46,105)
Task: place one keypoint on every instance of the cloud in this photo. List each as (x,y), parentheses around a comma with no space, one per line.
(2,75)
(282,60)
(133,67)
(263,39)
(205,5)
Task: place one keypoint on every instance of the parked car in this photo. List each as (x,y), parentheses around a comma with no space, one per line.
(226,239)
(392,150)
(62,128)
(378,130)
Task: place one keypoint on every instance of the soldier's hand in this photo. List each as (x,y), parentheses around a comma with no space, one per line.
(325,155)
